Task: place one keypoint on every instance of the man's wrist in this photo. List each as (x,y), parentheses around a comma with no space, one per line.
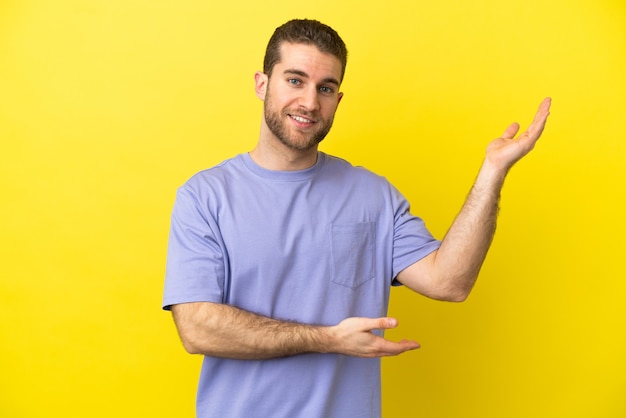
(323,340)
(491,176)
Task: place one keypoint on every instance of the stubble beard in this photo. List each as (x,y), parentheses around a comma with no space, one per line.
(277,121)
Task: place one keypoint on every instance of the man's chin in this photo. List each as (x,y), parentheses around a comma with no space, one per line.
(301,144)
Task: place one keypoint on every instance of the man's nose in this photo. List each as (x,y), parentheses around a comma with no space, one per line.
(309,99)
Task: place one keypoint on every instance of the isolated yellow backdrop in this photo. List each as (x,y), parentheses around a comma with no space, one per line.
(107,106)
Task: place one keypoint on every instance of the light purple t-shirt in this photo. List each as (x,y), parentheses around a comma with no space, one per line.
(314,246)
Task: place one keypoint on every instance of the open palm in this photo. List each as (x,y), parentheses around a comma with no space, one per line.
(505,151)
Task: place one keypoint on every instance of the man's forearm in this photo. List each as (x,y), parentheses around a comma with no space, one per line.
(225,331)
(464,248)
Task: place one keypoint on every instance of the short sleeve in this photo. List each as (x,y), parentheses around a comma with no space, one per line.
(411,240)
(195,267)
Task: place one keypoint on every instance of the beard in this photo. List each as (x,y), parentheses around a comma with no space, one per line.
(277,122)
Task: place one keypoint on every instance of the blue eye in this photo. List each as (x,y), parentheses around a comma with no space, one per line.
(326,89)
(294,81)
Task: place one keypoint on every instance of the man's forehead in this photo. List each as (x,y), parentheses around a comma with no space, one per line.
(307,58)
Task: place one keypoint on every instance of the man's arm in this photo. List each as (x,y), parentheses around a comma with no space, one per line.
(450,272)
(224,331)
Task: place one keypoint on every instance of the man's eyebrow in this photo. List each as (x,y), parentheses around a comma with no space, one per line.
(301,73)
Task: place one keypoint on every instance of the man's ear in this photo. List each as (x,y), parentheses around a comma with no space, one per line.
(260,84)
(340,96)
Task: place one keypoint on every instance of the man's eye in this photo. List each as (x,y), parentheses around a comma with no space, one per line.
(294,81)
(326,89)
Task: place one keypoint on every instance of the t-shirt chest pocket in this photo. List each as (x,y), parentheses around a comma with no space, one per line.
(353,249)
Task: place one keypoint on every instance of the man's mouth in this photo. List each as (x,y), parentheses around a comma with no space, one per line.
(301,119)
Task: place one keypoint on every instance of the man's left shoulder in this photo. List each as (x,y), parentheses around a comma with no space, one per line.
(354,171)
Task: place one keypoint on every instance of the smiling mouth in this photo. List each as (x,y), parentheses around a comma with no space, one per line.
(301,119)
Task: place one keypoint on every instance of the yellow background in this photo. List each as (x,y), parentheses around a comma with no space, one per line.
(106,106)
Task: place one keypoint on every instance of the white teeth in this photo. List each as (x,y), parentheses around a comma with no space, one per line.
(301,119)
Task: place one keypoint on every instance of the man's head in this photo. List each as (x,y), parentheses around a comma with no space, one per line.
(308,32)
(299,85)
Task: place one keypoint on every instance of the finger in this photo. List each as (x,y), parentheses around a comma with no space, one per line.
(410,343)
(391,348)
(511,131)
(544,108)
(385,323)
(543,111)
(538,122)
(535,129)
(537,125)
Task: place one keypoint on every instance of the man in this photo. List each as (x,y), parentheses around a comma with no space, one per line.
(280,260)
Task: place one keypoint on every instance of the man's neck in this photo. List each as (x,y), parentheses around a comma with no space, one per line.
(272,154)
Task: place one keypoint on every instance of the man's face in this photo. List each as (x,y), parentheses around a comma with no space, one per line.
(301,96)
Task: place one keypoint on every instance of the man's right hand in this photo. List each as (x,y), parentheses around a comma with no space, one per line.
(354,337)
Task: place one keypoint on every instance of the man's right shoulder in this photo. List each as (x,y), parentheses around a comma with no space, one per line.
(218,173)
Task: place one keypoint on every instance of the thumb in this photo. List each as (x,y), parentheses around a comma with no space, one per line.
(511,131)
(387,323)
